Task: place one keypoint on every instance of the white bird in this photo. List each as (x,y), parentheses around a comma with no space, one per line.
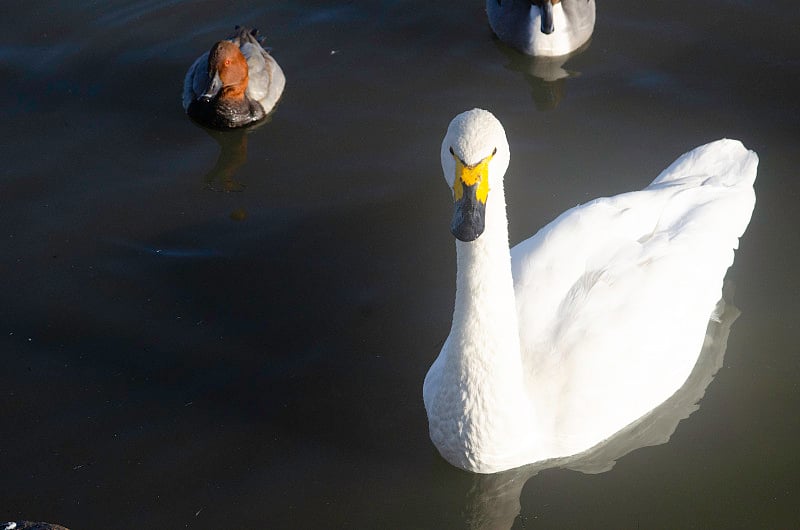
(542,27)
(591,323)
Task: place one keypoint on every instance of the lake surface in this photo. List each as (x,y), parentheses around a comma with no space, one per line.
(194,344)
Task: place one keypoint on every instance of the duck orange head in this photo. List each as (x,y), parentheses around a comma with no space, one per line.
(227,72)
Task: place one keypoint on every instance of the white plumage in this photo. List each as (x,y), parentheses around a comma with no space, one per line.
(591,323)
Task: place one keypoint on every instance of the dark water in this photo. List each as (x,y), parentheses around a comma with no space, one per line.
(243,345)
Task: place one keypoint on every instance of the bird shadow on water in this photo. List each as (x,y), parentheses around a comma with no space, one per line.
(493,501)
(546,76)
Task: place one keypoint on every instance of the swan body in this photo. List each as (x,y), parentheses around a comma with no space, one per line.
(542,27)
(235,84)
(580,330)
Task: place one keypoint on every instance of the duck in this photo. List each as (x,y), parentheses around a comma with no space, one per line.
(235,84)
(576,332)
(549,28)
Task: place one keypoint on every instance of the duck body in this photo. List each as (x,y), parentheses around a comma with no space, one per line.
(542,27)
(235,84)
(585,327)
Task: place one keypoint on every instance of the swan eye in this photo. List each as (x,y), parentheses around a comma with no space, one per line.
(494,152)
(451,151)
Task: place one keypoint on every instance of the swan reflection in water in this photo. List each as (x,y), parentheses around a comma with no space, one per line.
(493,501)
(546,76)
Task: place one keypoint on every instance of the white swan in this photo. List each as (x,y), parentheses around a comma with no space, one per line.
(591,323)
(542,27)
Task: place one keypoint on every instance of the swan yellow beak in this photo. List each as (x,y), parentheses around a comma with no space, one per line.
(470,192)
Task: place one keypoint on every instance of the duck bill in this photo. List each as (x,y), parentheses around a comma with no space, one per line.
(469,215)
(212,88)
(547,16)
(470,191)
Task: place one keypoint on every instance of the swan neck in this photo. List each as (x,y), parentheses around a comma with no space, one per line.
(481,359)
(485,307)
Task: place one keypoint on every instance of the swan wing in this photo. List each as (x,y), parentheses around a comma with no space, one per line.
(614,296)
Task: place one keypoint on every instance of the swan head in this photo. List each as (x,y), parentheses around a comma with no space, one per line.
(475,157)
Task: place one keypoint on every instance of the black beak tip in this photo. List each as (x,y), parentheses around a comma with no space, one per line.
(466,232)
(469,216)
(547,17)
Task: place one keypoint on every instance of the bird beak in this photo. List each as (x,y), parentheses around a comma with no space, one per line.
(547,17)
(470,191)
(213,87)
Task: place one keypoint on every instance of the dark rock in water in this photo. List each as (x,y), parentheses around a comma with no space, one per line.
(29,525)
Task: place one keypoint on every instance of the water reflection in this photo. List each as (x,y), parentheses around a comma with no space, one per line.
(546,76)
(493,501)
(232,155)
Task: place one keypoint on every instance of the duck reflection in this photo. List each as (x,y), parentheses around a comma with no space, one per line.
(232,155)
(493,501)
(546,76)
